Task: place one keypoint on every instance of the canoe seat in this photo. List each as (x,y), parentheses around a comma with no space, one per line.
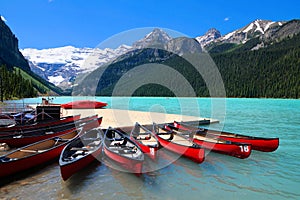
(18,136)
(145,137)
(115,139)
(118,143)
(32,151)
(121,148)
(127,151)
(91,139)
(79,149)
(77,154)
(145,133)
(94,143)
(58,139)
(150,143)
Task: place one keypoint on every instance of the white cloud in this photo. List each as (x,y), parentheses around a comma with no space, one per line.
(226,19)
(3,19)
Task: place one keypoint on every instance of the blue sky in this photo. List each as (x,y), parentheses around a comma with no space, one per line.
(86,23)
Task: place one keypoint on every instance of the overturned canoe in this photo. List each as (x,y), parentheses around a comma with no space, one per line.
(83,104)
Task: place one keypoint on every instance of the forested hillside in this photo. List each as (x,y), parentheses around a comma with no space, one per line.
(13,85)
(272,71)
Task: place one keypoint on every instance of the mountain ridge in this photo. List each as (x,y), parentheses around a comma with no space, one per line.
(62,64)
(256,35)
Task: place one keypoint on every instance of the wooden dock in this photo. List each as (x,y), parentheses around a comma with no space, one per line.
(125,118)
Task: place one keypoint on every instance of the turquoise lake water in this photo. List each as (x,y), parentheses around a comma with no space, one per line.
(274,175)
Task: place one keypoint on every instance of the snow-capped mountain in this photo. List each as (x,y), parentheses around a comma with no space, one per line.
(61,65)
(254,29)
(210,36)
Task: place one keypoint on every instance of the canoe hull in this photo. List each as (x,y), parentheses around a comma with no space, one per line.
(151,152)
(12,167)
(130,165)
(259,144)
(195,154)
(37,153)
(40,125)
(91,122)
(84,104)
(80,152)
(237,150)
(23,141)
(69,169)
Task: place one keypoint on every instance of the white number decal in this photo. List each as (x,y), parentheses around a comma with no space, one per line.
(244,148)
(152,151)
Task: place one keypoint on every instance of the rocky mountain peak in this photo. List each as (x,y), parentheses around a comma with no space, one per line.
(155,39)
(214,32)
(211,35)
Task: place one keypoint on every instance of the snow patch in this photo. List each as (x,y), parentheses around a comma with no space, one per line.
(227,36)
(258,28)
(56,80)
(2,18)
(248,28)
(40,68)
(268,26)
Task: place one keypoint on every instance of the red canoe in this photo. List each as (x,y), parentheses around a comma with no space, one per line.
(218,145)
(35,154)
(215,144)
(83,104)
(146,140)
(118,147)
(179,144)
(80,152)
(39,124)
(47,128)
(257,143)
(25,138)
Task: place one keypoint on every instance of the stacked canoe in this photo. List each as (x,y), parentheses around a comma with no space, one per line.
(42,142)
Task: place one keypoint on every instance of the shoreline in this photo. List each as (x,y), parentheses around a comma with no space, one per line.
(125,118)
(79,97)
